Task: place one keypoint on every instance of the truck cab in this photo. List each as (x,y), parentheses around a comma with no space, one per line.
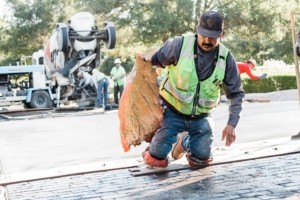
(38,57)
(26,84)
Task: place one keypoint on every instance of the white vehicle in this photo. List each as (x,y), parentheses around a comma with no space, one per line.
(26,84)
(75,46)
(52,77)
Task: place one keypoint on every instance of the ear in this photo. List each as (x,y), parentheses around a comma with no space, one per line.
(222,34)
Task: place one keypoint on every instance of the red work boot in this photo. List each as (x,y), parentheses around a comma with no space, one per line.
(178,150)
(153,162)
(197,163)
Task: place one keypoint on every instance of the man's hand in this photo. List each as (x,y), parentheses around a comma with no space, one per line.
(147,55)
(229,135)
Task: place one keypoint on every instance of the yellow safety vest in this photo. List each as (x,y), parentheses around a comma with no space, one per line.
(182,89)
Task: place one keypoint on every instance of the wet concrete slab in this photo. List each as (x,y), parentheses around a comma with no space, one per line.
(269,178)
(79,149)
(275,176)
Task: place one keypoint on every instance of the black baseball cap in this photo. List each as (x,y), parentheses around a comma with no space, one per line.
(211,24)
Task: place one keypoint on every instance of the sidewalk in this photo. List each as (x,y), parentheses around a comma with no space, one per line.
(272,177)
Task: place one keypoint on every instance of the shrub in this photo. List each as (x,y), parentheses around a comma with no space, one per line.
(270,84)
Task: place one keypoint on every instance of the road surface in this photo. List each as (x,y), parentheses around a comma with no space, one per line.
(41,144)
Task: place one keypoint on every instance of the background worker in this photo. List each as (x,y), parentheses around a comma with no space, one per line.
(198,66)
(86,80)
(102,91)
(117,74)
(297,45)
(247,67)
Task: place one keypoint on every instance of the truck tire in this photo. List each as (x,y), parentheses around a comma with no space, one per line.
(110,42)
(41,99)
(62,39)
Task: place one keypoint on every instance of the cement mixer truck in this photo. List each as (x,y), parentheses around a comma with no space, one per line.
(76,46)
(52,78)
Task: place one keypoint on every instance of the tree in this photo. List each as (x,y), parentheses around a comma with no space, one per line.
(141,24)
(258,29)
(202,6)
(254,28)
(151,21)
(30,26)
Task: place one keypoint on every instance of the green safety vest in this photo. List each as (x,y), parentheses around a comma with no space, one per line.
(117,73)
(182,89)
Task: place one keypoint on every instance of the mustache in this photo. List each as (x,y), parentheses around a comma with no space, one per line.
(207,44)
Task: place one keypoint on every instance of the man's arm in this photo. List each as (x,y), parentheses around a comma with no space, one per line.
(123,72)
(95,75)
(235,93)
(81,83)
(112,72)
(169,53)
(94,82)
(251,76)
(234,90)
(86,79)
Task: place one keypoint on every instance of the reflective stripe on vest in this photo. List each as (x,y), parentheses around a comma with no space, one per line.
(181,86)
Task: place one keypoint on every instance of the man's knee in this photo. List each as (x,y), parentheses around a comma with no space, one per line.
(201,154)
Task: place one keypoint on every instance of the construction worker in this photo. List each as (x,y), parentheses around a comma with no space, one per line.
(117,74)
(86,80)
(198,66)
(247,67)
(102,91)
(297,45)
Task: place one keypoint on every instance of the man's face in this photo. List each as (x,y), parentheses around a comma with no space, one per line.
(207,44)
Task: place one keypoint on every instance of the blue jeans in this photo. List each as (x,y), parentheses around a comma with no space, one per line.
(102,92)
(198,141)
(118,89)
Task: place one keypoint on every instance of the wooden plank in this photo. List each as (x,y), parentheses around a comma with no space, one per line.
(258,100)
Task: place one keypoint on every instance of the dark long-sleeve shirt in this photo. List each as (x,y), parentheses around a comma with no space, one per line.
(169,53)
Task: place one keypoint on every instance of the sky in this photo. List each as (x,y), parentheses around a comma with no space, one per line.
(2,10)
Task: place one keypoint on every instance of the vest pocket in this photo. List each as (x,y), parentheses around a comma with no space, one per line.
(208,103)
(210,96)
(211,90)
